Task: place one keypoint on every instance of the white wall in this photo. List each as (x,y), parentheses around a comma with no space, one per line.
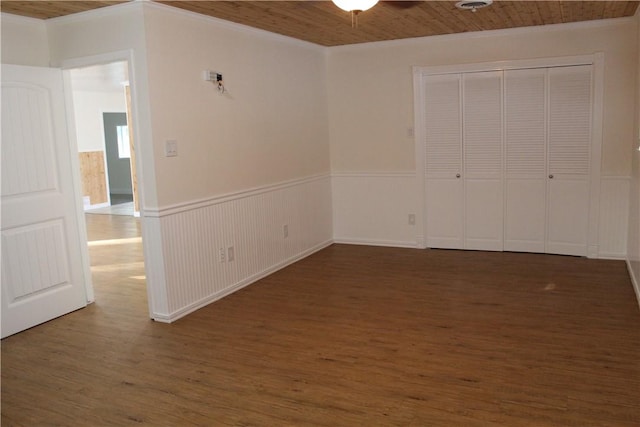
(633,249)
(374,208)
(254,159)
(270,127)
(371,108)
(89,107)
(24,41)
(249,162)
(86,39)
(258,157)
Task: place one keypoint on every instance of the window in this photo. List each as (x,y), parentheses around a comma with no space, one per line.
(124,149)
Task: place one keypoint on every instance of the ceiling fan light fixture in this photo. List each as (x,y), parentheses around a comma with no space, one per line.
(355,5)
(473,5)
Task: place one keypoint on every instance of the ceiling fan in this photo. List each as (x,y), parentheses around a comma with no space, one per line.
(357,6)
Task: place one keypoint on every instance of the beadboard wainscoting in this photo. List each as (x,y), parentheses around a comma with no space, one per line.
(614,212)
(208,249)
(374,208)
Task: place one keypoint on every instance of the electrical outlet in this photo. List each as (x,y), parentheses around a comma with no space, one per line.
(223,256)
(412,219)
(230,254)
(285,231)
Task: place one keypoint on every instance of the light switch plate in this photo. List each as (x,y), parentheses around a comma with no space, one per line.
(171,148)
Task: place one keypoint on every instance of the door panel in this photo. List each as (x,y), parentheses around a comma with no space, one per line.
(443,142)
(483,214)
(444,213)
(482,143)
(42,266)
(526,166)
(482,147)
(443,126)
(568,217)
(569,159)
(525,215)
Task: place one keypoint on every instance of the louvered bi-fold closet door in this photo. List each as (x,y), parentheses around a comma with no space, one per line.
(443,142)
(525,157)
(569,148)
(482,148)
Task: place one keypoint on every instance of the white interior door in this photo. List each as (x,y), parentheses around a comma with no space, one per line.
(482,148)
(569,158)
(443,141)
(525,158)
(42,263)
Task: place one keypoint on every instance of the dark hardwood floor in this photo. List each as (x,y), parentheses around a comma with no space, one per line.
(352,335)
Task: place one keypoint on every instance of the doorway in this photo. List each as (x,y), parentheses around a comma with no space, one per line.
(118,157)
(104,132)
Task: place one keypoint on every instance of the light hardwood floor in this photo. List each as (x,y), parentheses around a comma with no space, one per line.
(352,335)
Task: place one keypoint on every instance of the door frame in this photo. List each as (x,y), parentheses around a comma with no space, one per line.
(596,60)
(88,61)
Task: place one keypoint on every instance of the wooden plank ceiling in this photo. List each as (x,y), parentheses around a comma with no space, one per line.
(323,23)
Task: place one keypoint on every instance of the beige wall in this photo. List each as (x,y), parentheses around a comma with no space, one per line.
(371,95)
(633,241)
(270,127)
(24,41)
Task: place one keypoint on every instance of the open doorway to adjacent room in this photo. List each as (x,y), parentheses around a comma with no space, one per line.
(105,139)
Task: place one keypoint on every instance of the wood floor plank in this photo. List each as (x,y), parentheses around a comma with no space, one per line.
(352,335)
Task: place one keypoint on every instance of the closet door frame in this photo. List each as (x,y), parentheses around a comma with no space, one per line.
(597,62)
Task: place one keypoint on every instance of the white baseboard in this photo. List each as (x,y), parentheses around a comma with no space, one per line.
(374,242)
(635,281)
(612,256)
(96,206)
(231,289)
(270,228)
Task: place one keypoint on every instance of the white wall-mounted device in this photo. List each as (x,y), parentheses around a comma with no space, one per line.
(214,77)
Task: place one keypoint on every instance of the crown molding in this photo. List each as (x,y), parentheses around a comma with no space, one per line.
(598,23)
(233,26)
(116,9)
(19,19)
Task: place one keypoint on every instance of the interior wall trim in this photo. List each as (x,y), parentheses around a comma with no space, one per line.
(205,251)
(115,9)
(399,174)
(233,26)
(613,219)
(345,240)
(10,17)
(196,305)
(635,281)
(373,208)
(209,201)
(478,35)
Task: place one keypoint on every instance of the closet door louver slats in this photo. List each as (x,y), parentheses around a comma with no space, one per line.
(526,166)
(569,147)
(443,125)
(483,125)
(443,151)
(569,120)
(525,123)
(482,148)
(507,159)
